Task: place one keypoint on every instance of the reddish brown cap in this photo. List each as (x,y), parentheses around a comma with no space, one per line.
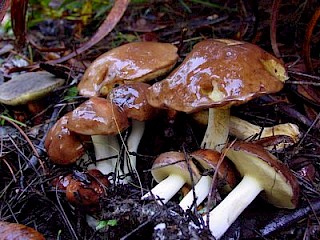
(18,231)
(97,116)
(137,61)
(63,146)
(209,159)
(86,191)
(132,99)
(174,163)
(280,186)
(219,73)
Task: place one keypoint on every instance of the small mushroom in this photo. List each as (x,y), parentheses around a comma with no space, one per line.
(100,119)
(85,189)
(131,99)
(262,173)
(137,61)
(226,176)
(170,170)
(10,231)
(63,146)
(215,75)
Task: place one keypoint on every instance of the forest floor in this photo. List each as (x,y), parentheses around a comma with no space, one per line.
(28,195)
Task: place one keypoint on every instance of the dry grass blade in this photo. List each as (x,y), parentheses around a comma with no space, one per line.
(273,27)
(27,139)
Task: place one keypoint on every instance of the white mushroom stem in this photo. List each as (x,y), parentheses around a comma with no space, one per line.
(105,146)
(244,130)
(214,138)
(222,216)
(200,190)
(166,189)
(217,131)
(137,130)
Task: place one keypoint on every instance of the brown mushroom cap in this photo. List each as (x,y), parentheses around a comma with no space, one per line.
(63,146)
(209,159)
(97,116)
(280,185)
(10,231)
(219,73)
(173,163)
(131,98)
(137,61)
(86,191)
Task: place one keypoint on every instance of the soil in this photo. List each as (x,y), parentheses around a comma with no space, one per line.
(28,194)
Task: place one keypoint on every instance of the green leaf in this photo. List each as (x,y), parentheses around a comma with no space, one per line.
(104,223)
(71,93)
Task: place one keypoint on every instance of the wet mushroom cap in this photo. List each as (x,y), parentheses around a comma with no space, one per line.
(131,98)
(63,146)
(209,159)
(97,116)
(28,87)
(86,191)
(174,163)
(219,73)
(11,231)
(280,186)
(137,61)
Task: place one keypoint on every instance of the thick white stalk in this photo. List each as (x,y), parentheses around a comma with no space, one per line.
(105,147)
(137,130)
(222,216)
(166,189)
(200,191)
(217,131)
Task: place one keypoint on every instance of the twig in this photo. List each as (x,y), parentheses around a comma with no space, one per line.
(27,139)
(285,220)
(273,27)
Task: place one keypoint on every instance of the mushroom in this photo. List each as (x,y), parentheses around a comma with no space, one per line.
(18,231)
(100,119)
(136,61)
(217,74)
(85,189)
(244,130)
(28,87)
(171,171)
(262,173)
(209,160)
(131,99)
(26,90)
(63,146)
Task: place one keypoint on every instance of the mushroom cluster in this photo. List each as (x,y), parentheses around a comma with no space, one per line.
(106,113)
(216,75)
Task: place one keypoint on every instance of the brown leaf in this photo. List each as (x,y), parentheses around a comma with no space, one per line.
(18,20)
